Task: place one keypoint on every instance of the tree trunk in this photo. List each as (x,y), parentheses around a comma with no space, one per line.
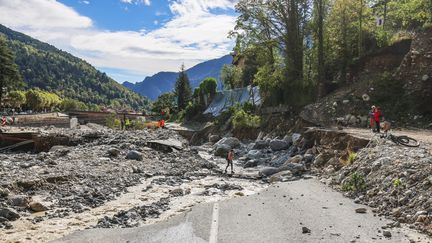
(320,35)
(360,40)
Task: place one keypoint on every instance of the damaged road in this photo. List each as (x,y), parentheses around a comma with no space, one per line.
(299,211)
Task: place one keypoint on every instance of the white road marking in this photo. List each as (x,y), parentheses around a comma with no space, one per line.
(215,224)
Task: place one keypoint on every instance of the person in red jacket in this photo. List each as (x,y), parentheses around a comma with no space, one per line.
(377,117)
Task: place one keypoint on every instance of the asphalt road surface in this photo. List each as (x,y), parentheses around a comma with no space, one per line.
(277,214)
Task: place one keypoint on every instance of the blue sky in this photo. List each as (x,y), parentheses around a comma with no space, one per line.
(128,39)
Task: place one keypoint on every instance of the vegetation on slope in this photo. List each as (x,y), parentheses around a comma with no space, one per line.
(46,67)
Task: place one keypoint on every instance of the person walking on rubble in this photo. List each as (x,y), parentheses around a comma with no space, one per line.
(230,158)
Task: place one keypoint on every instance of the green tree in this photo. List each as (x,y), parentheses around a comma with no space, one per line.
(163,102)
(17,98)
(231,76)
(73,105)
(183,89)
(10,76)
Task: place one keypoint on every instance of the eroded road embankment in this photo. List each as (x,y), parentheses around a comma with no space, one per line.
(277,214)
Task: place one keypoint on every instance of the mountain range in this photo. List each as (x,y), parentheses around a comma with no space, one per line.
(163,82)
(46,67)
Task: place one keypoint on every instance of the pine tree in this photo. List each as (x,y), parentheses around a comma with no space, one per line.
(183,89)
(9,73)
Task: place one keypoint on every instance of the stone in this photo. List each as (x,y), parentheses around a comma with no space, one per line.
(214,138)
(4,192)
(361,210)
(268,171)
(306,230)
(134,155)
(396,212)
(222,150)
(232,142)
(319,160)
(387,233)
(178,192)
(113,152)
(295,137)
(281,176)
(296,169)
(278,144)
(352,120)
(308,158)
(296,159)
(425,77)
(19,200)
(254,154)
(250,163)
(260,144)
(37,207)
(330,169)
(345,102)
(9,214)
(137,170)
(59,150)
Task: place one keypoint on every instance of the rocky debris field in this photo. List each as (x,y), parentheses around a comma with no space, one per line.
(76,178)
(394,180)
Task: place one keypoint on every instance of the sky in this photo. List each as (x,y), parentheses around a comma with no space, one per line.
(128,39)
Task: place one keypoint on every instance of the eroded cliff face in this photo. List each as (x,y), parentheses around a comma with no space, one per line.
(416,72)
(398,78)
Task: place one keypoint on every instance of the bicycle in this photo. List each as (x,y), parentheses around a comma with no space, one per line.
(402,140)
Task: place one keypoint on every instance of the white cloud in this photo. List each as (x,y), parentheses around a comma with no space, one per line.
(194,34)
(145,2)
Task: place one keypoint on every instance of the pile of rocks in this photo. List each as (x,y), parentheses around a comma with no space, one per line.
(396,181)
(277,159)
(134,216)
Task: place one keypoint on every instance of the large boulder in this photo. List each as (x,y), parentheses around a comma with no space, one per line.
(268,171)
(134,155)
(214,138)
(9,214)
(281,176)
(261,144)
(230,141)
(254,154)
(222,150)
(251,163)
(37,207)
(19,200)
(296,169)
(278,144)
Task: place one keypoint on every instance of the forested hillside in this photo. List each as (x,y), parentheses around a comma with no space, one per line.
(46,67)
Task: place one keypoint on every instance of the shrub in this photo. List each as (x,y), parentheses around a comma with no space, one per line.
(112,121)
(351,157)
(356,183)
(241,119)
